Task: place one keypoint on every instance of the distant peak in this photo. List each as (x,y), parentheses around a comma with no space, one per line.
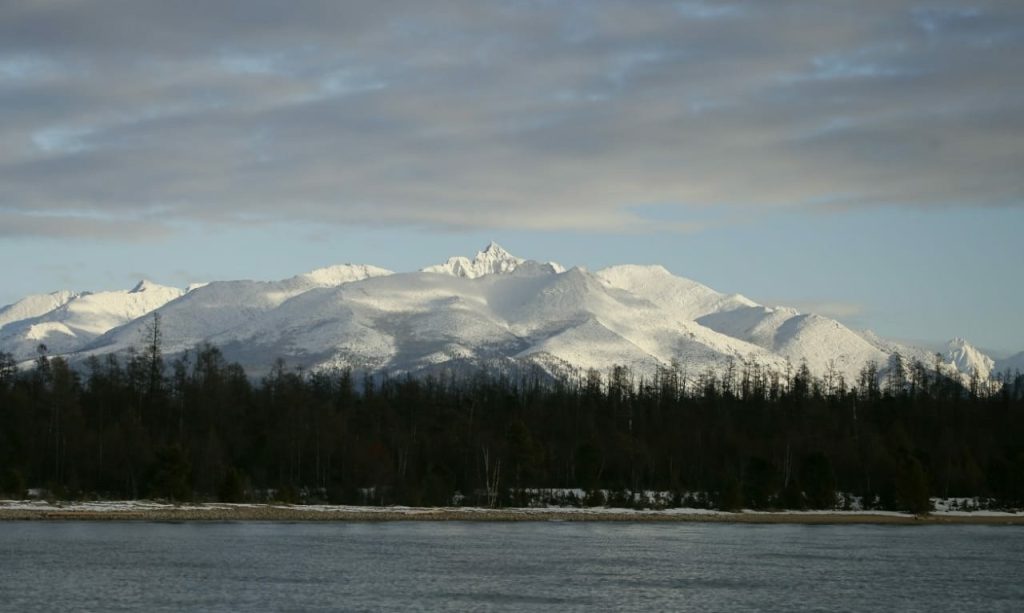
(968,359)
(494,252)
(493,259)
(495,249)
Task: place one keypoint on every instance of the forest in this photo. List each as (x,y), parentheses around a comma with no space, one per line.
(198,428)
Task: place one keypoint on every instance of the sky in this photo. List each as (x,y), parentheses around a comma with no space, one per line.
(863,160)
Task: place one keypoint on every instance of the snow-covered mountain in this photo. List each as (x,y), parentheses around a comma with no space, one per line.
(34,306)
(493,307)
(66,321)
(968,359)
(209,313)
(781,331)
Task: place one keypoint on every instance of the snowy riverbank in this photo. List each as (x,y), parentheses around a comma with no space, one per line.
(160,511)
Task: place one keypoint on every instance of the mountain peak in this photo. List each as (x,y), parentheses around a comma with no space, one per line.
(493,249)
(967,359)
(492,259)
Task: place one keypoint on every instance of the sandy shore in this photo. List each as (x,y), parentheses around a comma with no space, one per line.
(151,511)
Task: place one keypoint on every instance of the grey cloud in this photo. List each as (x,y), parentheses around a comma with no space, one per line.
(850,313)
(503,114)
(15,225)
(838,310)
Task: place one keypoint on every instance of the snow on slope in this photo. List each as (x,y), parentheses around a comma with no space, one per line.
(34,306)
(785,332)
(618,321)
(82,318)
(819,341)
(398,322)
(214,308)
(781,331)
(688,299)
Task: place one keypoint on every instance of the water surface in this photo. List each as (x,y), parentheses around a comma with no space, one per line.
(103,566)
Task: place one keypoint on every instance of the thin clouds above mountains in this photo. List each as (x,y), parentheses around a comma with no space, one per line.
(525,115)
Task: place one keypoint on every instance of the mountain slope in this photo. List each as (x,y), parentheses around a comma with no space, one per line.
(34,306)
(210,311)
(688,299)
(784,332)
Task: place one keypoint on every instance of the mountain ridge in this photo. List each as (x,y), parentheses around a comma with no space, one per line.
(494,306)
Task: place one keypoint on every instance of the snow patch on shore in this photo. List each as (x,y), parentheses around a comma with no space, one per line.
(137,506)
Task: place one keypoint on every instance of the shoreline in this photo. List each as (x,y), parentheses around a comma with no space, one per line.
(220,512)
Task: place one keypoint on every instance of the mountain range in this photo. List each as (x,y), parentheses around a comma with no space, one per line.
(466,312)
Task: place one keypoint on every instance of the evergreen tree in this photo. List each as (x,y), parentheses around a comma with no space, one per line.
(206,430)
(818,481)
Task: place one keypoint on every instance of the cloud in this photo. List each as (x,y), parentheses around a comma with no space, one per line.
(835,310)
(853,314)
(14,225)
(513,114)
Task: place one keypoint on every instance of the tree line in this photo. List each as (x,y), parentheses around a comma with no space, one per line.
(197,427)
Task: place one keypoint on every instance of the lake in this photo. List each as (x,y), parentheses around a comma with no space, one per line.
(231,566)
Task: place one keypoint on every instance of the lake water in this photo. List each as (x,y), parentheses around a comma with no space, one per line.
(104,566)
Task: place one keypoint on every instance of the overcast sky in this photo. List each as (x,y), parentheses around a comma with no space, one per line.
(862,159)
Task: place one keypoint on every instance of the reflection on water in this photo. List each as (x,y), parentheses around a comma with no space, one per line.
(512,566)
